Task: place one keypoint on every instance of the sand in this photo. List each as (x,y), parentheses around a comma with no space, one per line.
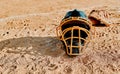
(28,42)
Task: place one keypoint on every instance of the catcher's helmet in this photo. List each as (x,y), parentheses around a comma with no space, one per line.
(74,31)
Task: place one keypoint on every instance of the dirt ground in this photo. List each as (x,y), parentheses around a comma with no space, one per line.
(28,42)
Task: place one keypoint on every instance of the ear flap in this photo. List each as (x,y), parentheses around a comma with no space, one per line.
(99,18)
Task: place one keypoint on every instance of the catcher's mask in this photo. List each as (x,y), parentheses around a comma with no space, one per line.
(74,31)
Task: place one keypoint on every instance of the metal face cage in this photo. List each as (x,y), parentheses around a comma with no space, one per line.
(74,32)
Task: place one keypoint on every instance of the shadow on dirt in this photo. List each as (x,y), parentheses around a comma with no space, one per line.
(33,45)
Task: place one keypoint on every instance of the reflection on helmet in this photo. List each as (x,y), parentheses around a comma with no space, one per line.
(74,31)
